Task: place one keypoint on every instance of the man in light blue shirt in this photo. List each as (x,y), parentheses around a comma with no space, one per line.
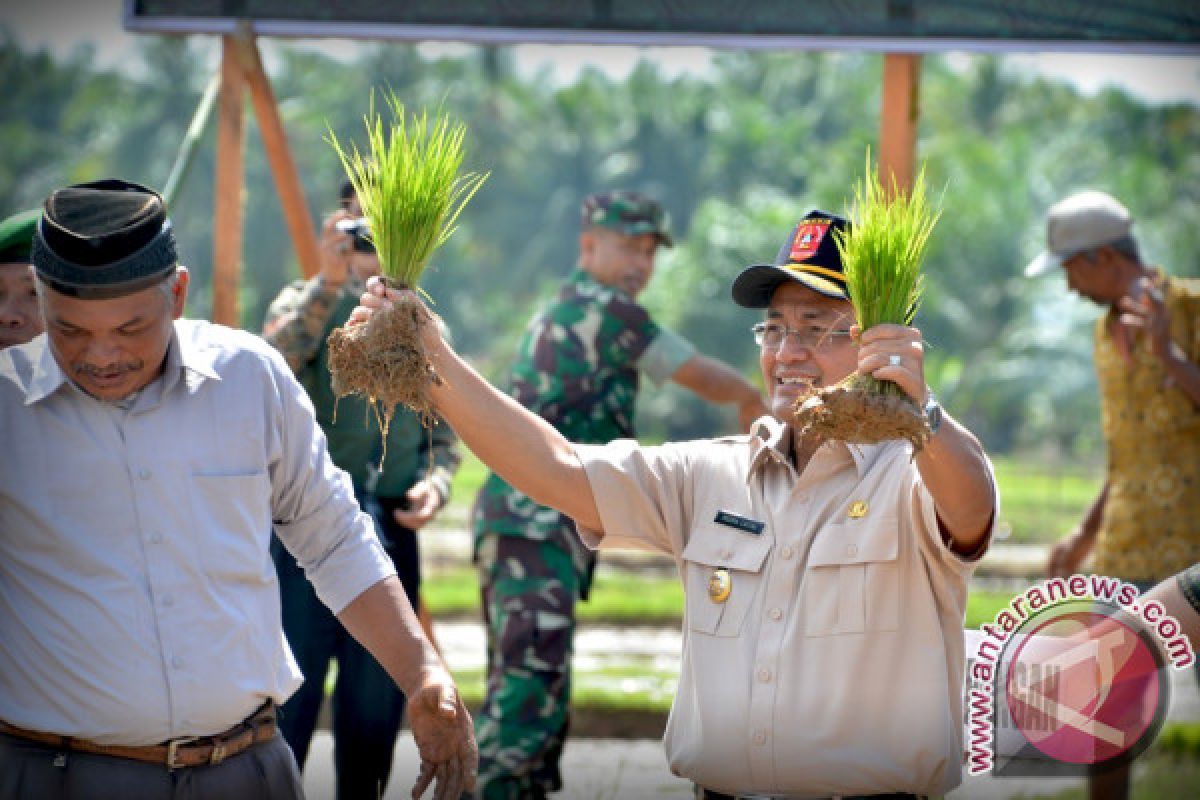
(149,459)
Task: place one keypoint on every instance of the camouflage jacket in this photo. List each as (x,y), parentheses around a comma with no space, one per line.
(298,323)
(577,367)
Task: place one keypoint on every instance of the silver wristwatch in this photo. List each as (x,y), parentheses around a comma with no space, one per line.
(933,413)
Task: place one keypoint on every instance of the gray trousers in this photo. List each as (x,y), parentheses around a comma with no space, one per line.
(31,771)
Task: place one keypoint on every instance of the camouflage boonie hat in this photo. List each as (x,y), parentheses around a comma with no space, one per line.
(631,213)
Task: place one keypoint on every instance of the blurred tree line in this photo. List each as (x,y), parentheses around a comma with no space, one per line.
(736,153)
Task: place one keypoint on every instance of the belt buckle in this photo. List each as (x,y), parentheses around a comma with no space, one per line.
(173,750)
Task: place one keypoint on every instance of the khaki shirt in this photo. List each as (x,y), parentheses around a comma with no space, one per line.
(835,665)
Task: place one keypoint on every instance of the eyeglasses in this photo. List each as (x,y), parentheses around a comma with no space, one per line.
(812,337)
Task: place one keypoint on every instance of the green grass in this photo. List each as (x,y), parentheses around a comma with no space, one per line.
(467,480)
(624,687)
(1042,503)
(618,597)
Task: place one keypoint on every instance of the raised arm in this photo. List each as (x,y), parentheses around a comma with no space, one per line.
(521,447)
(952,463)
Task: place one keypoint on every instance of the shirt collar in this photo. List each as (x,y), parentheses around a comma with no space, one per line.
(191,359)
(771,440)
(183,358)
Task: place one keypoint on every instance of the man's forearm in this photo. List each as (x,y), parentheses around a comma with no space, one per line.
(953,466)
(521,447)
(383,621)
(715,381)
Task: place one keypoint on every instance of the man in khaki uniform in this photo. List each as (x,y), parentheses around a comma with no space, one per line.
(825,584)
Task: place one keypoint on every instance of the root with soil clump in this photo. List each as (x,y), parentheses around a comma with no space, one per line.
(855,413)
(384,360)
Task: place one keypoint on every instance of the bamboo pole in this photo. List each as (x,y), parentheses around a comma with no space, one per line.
(227,212)
(191,140)
(283,168)
(898,119)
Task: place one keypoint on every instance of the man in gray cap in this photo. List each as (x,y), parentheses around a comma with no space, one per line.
(825,584)
(148,460)
(20,320)
(1144,525)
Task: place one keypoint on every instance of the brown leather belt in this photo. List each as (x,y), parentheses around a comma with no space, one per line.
(186,751)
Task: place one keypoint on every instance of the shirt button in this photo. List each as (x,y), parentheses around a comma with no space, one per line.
(144,474)
(851,549)
(176,662)
(802,497)
(787,553)
(764,675)
(156,537)
(168,600)
(726,554)
(776,614)
(760,737)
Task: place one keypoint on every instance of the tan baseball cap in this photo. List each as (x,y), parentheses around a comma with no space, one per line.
(1084,221)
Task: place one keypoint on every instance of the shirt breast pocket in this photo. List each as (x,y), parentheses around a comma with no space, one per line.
(852,581)
(741,555)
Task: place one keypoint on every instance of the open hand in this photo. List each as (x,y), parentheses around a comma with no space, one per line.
(424,499)
(445,738)
(1145,309)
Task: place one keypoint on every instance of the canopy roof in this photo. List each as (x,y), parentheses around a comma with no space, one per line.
(1160,26)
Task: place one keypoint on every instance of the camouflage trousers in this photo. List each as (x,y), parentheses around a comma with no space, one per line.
(530,589)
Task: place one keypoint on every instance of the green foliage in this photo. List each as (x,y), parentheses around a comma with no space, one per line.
(1042,502)
(737,151)
(1179,739)
(409,185)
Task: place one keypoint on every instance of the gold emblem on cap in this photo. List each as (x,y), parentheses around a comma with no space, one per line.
(719,585)
(858,510)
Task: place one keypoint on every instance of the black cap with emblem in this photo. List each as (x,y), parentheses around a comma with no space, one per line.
(809,255)
(103,239)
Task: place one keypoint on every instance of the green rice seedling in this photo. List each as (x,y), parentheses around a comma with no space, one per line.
(409,185)
(412,189)
(882,253)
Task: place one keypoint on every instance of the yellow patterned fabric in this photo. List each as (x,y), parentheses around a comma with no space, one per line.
(1151,526)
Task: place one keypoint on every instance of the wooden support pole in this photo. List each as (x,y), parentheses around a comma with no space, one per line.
(227,212)
(279,156)
(898,119)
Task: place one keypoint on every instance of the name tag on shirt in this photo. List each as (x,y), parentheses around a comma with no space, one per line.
(741,523)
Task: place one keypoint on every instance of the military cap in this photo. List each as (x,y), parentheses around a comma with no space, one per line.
(809,255)
(103,239)
(630,213)
(16,236)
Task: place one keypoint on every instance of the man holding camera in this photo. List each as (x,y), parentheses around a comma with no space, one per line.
(402,494)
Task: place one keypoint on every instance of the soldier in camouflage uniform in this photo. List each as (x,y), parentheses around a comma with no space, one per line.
(413,485)
(577,367)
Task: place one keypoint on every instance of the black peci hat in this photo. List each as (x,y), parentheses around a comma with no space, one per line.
(103,239)
(810,256)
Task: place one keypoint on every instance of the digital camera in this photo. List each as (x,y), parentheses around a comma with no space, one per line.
(360,230)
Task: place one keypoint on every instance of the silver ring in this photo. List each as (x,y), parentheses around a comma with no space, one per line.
(894,360)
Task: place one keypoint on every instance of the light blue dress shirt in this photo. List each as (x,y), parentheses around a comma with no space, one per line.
(138,600)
